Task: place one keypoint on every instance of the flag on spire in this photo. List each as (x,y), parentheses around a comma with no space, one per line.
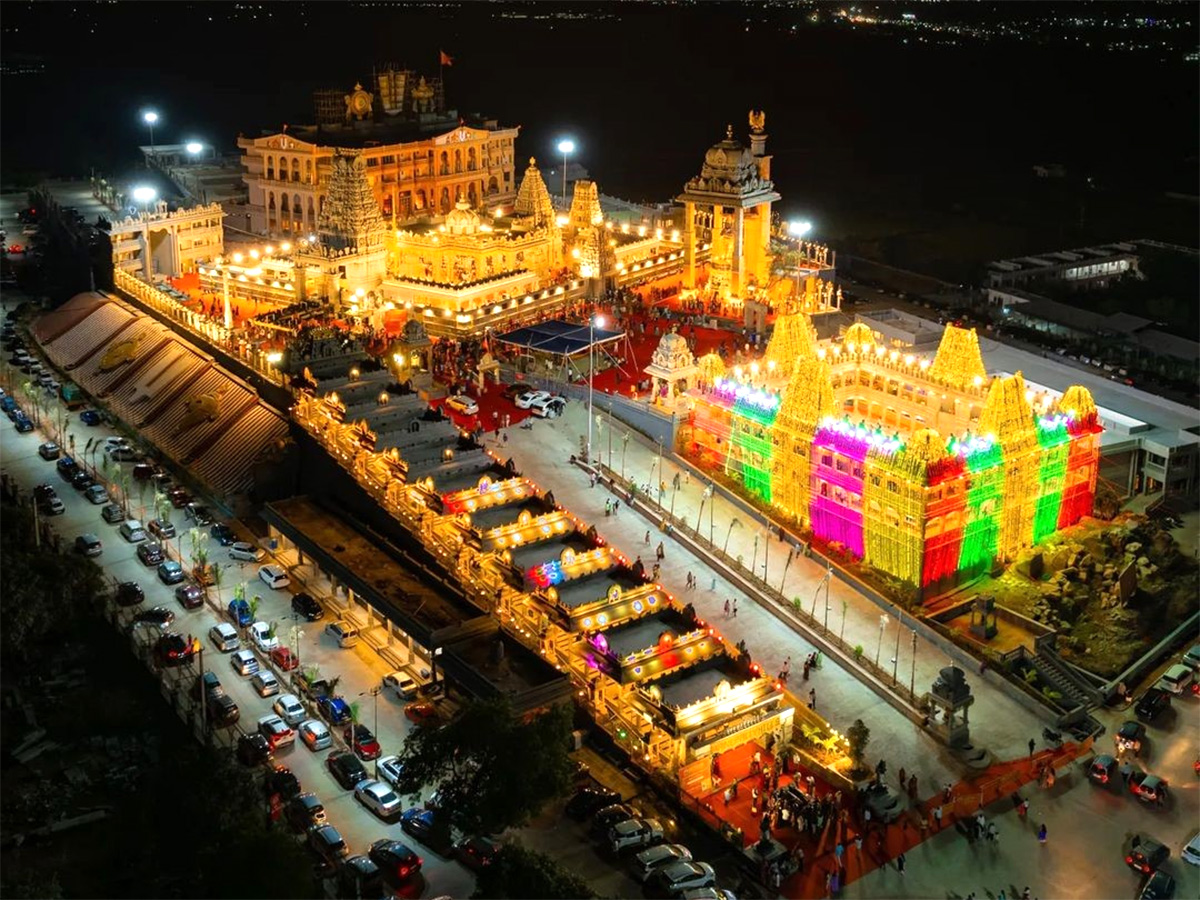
(445,58)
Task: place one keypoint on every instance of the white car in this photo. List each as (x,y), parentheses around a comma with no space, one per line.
(648,861)
(1176,679)
(677,877)
(276,731)
(224,637)
(345,633)
(1192,657)
(265,683)
(1191,850)
(274,576)
(548,407)
(463,404)
(634,833)
(289,708)
(378,798)
(402,683)
(260,633)
(389,769)
(525,401)
(132,531)
(245,552)
(315,735)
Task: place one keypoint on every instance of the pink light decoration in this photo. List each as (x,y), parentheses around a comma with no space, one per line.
(833,522)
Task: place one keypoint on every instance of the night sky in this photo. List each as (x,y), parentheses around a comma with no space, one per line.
(644,89)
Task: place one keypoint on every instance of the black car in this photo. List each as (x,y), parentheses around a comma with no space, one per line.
(174,649)
(223,534)
(346,768)
(304,605)
(222,709)
(327,843)
(67,467)
(282,782)
(1146,854)
(198,514)
(190,595)
(157,615)
(396,860)
(476,853)
(252,749)
(359,877)
(304,811)
(1152,704)
(150,553)
(81,480)
(589,799)
(129,593)
(1159,886)
(44,492)
(610,816)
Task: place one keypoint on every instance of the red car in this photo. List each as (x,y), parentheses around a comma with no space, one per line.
(174,649)
(285,658)
(422,713)
(361,741)
(180,498)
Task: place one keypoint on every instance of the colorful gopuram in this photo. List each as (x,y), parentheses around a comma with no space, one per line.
(930,471)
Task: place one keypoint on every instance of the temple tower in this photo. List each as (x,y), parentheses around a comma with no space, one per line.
(732,195)
(533,199)
(806,402)
(1008,418)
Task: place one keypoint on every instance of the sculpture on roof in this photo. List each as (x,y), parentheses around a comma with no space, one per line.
(119,353)
(204,407)
(758,121)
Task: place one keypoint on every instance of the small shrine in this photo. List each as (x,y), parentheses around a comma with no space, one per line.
(411,354)
(672,368)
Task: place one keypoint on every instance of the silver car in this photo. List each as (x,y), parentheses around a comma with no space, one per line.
(244,662)
(289,708)
(265,683)
(378,798)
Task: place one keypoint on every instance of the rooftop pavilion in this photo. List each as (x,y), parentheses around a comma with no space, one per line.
(647,648)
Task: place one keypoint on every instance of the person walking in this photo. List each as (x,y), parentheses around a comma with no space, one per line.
(937,818)
(1032,747)
(900,863)
(903,780)
(659,551)
(727,609)
(858,846)
(616,505)
(646,539)
(1042,833)
(812,698)
(838,852)
(735,607)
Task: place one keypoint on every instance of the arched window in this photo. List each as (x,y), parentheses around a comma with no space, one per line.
(420,198)
(445,202)
(444,168)
(271,210)
(457,160)
(312,216)
(493,186)
(297,206)
(270,168)
(470,159)
(471,194)
(308,171)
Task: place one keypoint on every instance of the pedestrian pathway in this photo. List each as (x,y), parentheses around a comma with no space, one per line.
(997,722)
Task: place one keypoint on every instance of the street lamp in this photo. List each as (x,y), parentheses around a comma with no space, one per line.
(150,117)
(896,661)
(194,148)
(374,693)
(565,147)
(144,195)
(594,322)
(883,621)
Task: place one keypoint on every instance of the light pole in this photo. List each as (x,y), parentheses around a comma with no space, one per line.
(593,323)
(783,580)
(150,117)
(896,661)
(144,195)
(624,444)
(610,430)
(733,523)
(374,693)
(565,147)
(823,583)
(883,620)
(708,491)
(912,680)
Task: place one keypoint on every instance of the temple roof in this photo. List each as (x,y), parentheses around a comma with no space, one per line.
(350,216)
(1007,413)
(533,199)
(958,361)
(860,335)
(792,340)
(809,395)
(731,172)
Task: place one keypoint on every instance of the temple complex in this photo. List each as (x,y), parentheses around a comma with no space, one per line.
(929,470)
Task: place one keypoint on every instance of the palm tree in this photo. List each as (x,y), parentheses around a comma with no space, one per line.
(355,709)
(218,572)
(272,629)
(254,602)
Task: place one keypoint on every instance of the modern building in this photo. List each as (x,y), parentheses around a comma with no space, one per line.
(419,162)
(1081,269)
(166,244)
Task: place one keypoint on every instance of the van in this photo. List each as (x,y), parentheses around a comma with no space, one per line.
(345,633)
(224,637)
(1176,678)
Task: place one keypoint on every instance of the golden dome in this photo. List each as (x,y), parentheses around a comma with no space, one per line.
(926,445)
(462,219)
(860,335)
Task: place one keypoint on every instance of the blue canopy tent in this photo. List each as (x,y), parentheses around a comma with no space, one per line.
(557,342)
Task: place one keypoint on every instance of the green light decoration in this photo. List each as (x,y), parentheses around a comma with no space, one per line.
(985,495)
(1055,448)
(750,447)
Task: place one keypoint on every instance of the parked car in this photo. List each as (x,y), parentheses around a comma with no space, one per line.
(276,731)
(244,662)
(361,741)
(175,650)
(90,417)
(81,480)
(634,834)
(358,876)
(648,861)
(345,768)
(170,572)
(274,576)
(253,749)
(422,713)
(1159,886)
(289,708)
(222,534)
(263,636)
(427,827)
(343,632)
(88,544)
(1103,769)
(589,799)
(304,811)
(97,495)
(390,768)
(242,551)
(1176,679)
(402,683)
(113,514)
(131,529)
(677,877)
(378,798)
(222,709)
(52,506)
(159,616)
(282,782)
(304,605)
(129,593)
(265,683)
(191,596)
(1191,850)
(198,514)
(285,658)
(463,404)
(150,553)
(396,860)
(160,529)
(239,611)
(315,735)
(1148,788)
(23,426)
(609,816)
(1129,737)
(335,710)
(1146,854)
(49,450)
(224,637)
(475,852)
(548,408)
(1152,704)
(327,843)
(142,471)
(525,400)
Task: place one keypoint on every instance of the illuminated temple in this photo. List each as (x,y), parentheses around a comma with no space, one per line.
(928,470)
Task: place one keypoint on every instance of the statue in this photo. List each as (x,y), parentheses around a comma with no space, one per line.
(422,96)
(758,121)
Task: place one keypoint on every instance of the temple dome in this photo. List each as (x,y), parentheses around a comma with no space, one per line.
(462,219)
(859,335)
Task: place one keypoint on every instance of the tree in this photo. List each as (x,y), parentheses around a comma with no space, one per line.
(520,873)
(859,735)
(494,768)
